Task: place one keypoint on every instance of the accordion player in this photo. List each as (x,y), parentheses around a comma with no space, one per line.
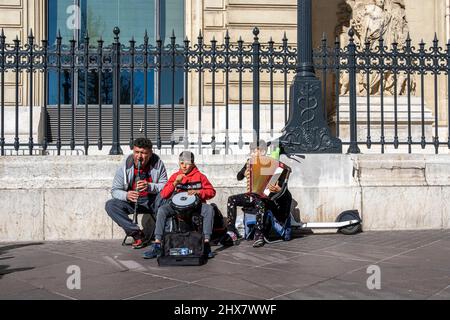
(265,171)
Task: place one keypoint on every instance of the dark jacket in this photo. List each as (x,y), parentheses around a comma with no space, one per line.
(123,180)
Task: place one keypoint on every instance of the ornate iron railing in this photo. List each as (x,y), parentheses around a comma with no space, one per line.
(342,69)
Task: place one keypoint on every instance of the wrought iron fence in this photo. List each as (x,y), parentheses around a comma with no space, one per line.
(112,70)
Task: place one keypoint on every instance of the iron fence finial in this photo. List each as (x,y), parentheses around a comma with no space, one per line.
(256,33)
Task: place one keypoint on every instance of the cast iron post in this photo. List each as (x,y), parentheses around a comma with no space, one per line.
(306,130)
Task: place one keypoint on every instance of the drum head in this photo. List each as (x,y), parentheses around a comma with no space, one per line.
(183,200)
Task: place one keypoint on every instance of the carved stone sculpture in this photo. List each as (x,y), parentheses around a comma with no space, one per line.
(371,21)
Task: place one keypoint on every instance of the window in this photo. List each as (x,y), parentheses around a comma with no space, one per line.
(99,17)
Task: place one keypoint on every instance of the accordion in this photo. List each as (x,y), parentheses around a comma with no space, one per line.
(265,171)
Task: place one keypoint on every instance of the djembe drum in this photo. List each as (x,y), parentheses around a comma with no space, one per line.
(187,210)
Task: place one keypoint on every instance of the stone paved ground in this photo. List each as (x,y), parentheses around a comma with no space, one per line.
(413,265)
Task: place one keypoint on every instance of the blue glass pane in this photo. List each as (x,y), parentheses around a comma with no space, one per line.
(172,19)
(133,17)
(65,93)
(64,16)
(100,17)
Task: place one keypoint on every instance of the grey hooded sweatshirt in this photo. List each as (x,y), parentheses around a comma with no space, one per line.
(124,177)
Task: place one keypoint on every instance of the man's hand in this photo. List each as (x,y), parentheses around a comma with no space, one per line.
(178,179)
(193,192)
(274,188)
(132,196)
(142,185)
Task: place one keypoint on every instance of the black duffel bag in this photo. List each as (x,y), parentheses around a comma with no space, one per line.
(182,249)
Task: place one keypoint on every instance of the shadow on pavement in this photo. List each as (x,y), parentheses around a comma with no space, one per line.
(5,249)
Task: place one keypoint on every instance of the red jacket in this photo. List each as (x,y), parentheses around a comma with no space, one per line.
(194,180)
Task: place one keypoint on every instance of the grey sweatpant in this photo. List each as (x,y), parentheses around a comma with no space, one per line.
(207,212)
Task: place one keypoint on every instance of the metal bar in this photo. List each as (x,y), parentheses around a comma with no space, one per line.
(200,70)
(383,139)
(436,93)
(86,102)
(256,84)
(213,93)
(409,112)
(422,92)
(173,44)
(352,83)
(395,53)
(59,66)
(305,67)
(285,76)
(186,93)
(159,77)
(271,68)
(17,69)
(337,51)
(132,66)
(368,65)
(227,92)
(44,113)
(145,83)
(240,70)
(2,92)
(436,114)
(448,93)
(100,77)
(31,97)
(324,75)
(115,148)
(72,74)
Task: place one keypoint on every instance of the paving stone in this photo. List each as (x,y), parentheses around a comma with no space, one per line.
(260,282)
(317,265)
(12,287)
(195,292)
(120,285)
(408,278)
(335,289)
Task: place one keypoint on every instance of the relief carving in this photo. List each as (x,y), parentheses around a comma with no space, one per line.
(371,20)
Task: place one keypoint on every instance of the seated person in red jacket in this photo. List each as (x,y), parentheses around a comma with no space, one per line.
(190,179)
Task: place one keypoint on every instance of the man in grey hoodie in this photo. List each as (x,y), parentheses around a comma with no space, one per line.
(132,187)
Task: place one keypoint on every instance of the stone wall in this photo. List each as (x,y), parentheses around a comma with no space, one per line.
(60,198)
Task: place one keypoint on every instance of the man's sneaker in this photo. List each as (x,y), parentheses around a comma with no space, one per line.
(139,244)
(139,240)
(259,239)
(155,251)
(208,252)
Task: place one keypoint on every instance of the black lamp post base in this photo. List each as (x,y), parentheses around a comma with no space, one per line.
(115,150)
(307,130)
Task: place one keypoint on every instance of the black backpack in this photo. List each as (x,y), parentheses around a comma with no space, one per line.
(219,226)
(183,249)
